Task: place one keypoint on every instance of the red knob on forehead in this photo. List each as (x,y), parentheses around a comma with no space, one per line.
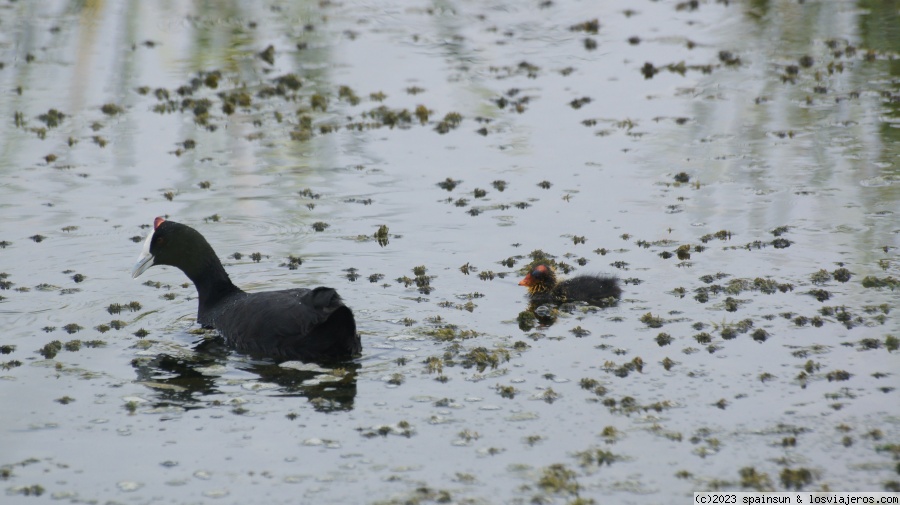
(158,221)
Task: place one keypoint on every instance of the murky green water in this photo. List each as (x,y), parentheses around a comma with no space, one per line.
(746,359)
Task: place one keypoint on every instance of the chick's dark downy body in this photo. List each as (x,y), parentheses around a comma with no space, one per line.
(543,287)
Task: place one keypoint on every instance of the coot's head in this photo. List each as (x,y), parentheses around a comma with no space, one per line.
(541,279)
(174,244)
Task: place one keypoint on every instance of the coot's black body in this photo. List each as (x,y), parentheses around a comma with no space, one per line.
(292,324)
(543,287)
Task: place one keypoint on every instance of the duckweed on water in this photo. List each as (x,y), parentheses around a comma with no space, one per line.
(52,118)
(51,349)
(481,358)
(111,109)
(506,391)
(486,275)
(549,395)
(891,343)
(652,321)
(663,339)
(8,365)
(381,235)
(796,478)
(526,320)
(760,335)
(448,184)
(434,364)
(872,281)
(558,479)
(449,333)
(72,328)
(598,457)
(268,55)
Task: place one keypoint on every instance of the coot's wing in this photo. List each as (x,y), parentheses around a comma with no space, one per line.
(309,325)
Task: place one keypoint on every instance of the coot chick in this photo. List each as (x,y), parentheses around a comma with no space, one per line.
(291,324)
(593,289)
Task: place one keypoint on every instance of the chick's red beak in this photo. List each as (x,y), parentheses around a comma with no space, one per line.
(527,281)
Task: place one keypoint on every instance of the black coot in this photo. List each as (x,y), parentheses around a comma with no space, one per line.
(292,324)
(594,289)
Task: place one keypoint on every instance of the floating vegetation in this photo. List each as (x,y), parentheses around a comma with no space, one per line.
(719,235)
(580,102)
(871,281)
(558,479)
(526,320)
(796,478)
(51,349)
(401,428)
(389,117)
(406,352)
(891,343)
(838,375)
(598,457)
(506,391)
(52,118)
(448,333)
(268,55)
(117,308)
(652,321)
(486,275)
(72,328)
(549,395)
(623,370)
(841,275)
(111,109)
(448,184)
(293,262)
(592,27)
(8,365)
(481,358)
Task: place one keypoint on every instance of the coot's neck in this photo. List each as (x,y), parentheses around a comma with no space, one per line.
(213,285)
(212,282)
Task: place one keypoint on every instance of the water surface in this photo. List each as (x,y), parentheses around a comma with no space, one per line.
(759,137)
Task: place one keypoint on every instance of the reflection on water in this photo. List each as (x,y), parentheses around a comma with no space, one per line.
(781,115)
(184,380)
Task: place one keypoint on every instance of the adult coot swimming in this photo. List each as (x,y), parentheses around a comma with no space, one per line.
(291,324)
(594,289)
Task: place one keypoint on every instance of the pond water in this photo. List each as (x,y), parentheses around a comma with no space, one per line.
(735,163)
